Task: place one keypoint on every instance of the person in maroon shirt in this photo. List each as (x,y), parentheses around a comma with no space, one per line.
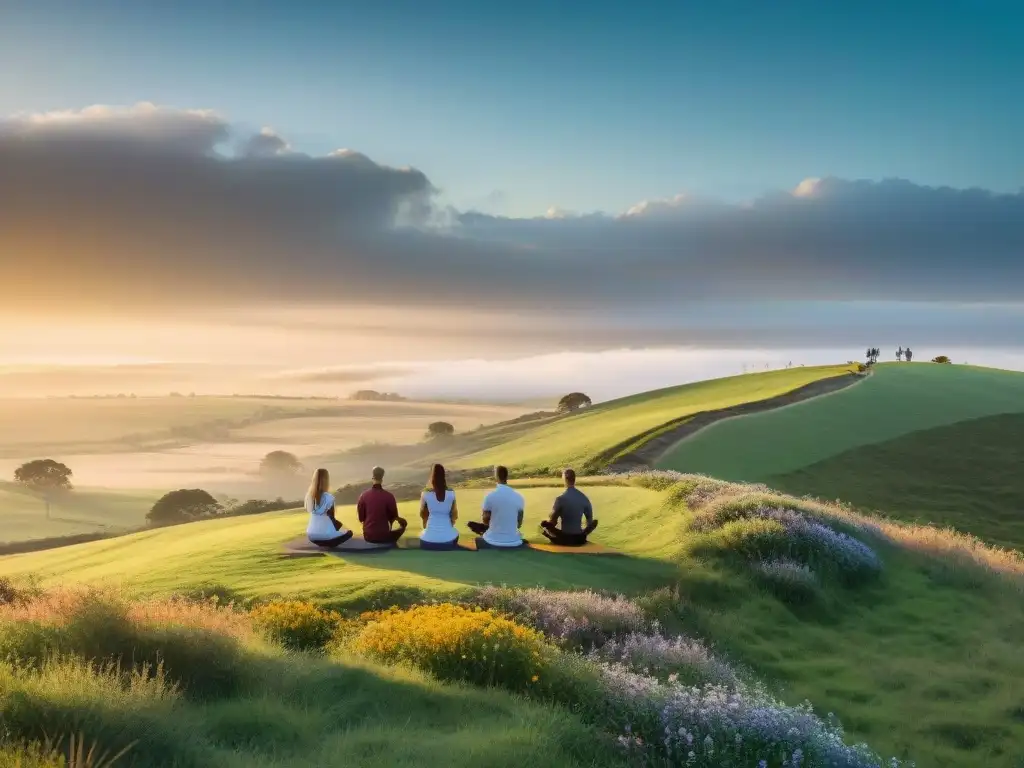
(377,510)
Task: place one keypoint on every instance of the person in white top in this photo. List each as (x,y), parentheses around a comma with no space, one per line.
(502,514)
(323,529)
(439,513)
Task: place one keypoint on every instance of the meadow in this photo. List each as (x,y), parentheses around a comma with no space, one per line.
(866,620)
(965,475)
(897,399)
(582,439)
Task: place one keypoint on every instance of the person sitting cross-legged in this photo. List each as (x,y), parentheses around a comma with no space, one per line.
(439,512)
(377,510)
(323,529)
(570,509)
(502,514)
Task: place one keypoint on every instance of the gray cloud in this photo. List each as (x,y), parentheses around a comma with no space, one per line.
(149,206)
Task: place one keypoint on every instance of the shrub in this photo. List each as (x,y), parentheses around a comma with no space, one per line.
(711,726)
(183,506)
(196,646)
(580,619)
(790,581)
(296,624)
(454,642)
(680,659)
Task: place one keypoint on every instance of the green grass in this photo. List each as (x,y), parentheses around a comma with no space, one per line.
(81,511)
(966,475)
(243,554)
(897,399)
(290,710)
(931,638)
(579,439)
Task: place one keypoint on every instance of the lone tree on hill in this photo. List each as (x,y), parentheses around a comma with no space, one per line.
(46,477)
(899,354)
(941,359)
(440,429)
(183,506)
(908,354)
(280,463)
(573,402)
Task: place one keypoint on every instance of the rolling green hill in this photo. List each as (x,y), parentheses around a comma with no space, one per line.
(578,440)
(934,636)
(967,475)
(896,400)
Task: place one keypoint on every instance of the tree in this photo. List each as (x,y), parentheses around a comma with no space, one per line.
(46,477)
(280,463)
(440,429)
(183,506)
(899,354)
(573,402)
(872,355)
(941,359)
(908,354)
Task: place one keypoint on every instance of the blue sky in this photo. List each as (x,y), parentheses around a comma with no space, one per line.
(515,108)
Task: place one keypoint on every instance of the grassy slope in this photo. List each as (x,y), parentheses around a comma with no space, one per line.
(896,400)
(928,639)
(85,511)
(242,553)
(578,439)
(966,475)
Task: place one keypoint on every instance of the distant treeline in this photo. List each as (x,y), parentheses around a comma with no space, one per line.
(374,395)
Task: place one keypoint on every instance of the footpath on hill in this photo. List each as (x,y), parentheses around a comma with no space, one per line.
(656,442)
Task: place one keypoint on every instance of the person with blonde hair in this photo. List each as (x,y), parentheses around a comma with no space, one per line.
(439,513)
(323,529)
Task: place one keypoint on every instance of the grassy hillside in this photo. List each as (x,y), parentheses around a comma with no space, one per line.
(242,553)
(966,475)
(896,400)
(24,516)
(577,440)
(933,634)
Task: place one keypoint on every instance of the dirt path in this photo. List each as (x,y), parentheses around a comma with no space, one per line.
(667,436)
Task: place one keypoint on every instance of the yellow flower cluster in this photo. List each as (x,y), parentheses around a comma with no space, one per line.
(296,624)
(457,643)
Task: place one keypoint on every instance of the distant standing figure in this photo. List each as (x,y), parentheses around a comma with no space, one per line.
(323,529)
(377,509)
(502,514)
(570,509)
(438,512)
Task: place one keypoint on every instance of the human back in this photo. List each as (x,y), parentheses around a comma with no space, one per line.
(573,507)
(505,507)
(438,510)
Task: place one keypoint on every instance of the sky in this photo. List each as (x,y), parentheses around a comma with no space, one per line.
(268,188)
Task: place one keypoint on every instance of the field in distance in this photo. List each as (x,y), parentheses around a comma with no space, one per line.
(125,452)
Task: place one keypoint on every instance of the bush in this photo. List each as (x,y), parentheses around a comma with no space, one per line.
(580,619)
(297,625)
(196,646)
(681,659)
(183,506)
(790,581)
(453,642)
(439,429)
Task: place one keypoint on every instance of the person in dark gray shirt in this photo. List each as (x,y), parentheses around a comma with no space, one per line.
(571,508)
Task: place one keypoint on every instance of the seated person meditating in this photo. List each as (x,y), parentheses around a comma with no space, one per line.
(502,514)
(570,508)
(439,513)
(377,510)
(324,529)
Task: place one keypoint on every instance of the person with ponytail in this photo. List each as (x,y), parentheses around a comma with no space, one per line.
(324,530)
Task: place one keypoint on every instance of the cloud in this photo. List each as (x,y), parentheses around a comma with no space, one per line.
(151,207)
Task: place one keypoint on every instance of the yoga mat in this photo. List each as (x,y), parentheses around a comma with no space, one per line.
(303,547)
(464,545)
